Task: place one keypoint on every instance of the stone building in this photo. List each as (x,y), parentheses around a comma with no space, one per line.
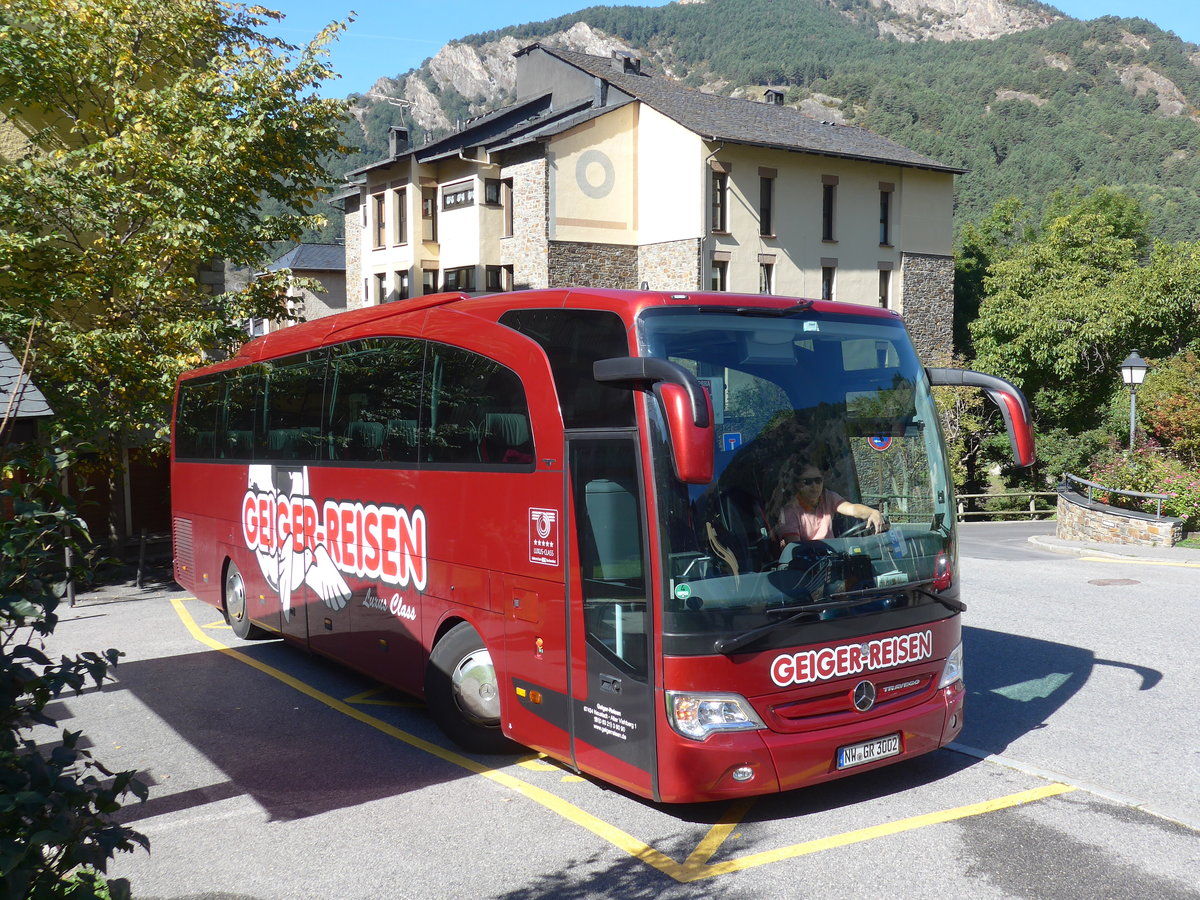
(323,263)
(604,174)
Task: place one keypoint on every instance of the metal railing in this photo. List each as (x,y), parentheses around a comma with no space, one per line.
(1031,511)
(1092,486)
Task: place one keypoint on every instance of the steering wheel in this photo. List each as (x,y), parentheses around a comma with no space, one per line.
(858,529)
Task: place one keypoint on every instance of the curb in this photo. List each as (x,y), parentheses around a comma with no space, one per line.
(1076,549)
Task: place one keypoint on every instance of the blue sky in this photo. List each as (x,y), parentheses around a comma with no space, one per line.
(389,38)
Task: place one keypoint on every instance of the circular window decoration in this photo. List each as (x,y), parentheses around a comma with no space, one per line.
(594,173)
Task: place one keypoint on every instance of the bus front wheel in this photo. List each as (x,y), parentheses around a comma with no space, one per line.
(237,608)
(463,693)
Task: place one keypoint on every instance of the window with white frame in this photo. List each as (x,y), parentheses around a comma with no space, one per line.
(456,196)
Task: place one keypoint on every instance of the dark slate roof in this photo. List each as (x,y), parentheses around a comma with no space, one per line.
(747,121)
(312,257)
(496,126)
(29,404)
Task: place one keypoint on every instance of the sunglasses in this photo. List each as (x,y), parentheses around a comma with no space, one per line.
(809,481)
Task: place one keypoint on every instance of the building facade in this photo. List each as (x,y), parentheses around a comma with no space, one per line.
(605,175)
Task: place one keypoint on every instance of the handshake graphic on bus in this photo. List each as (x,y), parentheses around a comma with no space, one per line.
(298,543)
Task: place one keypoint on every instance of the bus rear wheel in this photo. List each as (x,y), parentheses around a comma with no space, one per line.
(463,693)
(237,608)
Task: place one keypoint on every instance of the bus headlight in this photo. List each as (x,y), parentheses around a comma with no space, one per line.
(953,670)
(696,716)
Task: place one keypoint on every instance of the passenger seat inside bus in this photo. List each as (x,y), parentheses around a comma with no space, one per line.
(507,439)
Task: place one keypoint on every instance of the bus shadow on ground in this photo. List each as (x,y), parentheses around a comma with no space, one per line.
(1015,684)
(292,754)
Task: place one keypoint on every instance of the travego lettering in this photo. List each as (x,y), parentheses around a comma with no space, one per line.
(808,666)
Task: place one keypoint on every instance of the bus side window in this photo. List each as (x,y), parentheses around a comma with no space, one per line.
(573,340)
(295,396)
(475,412)
(373,410)
(196,421)
(243,411)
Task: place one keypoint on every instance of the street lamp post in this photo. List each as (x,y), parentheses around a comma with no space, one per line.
(1133,373)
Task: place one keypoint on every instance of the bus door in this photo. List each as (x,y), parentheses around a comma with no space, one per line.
(291,481)
(612,693)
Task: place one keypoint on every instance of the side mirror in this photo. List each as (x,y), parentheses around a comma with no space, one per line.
(1018,417)
(686,407)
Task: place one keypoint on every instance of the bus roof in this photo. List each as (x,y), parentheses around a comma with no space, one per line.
(407,316)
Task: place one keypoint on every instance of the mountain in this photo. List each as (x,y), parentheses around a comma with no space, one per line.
(1028,100)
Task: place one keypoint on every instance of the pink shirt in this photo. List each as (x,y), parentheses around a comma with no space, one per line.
(816,525)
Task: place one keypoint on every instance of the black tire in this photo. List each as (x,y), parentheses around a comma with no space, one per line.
(462,692)
(237,607)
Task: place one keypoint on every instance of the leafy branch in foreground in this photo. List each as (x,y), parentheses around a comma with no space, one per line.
(57,833)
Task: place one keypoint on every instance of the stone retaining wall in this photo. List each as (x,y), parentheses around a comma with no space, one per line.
(1081,519)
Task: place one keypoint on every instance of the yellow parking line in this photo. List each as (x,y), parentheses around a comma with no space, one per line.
(1140,562)
(696,866)
(876,831)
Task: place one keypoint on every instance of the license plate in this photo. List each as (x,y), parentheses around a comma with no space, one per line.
(868,751)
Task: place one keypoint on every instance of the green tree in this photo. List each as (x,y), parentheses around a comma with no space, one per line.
(1063,307)
(154,132)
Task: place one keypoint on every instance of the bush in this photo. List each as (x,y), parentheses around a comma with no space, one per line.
(1151,470)
(1169,405)
(56,803)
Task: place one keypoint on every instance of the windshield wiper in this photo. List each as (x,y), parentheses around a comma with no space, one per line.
(844,600)
(952,604)
(920,587)
(729,644)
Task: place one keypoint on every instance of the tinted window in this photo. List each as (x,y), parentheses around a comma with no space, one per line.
(608,504)
(196,419)
(376,387)
(294,403)
(475,412)
(243,437)
(573,340)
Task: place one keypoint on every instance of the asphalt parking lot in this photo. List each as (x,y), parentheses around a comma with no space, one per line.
(275,774)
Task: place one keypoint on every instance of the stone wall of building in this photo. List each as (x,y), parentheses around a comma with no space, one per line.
(670,266)
(354,291)
(526,250)
(593,265)
(928,304)
(1081,519)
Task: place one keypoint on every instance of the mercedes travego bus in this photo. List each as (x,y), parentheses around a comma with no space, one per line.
(696,545)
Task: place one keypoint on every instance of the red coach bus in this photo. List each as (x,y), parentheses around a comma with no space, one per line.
(577,520)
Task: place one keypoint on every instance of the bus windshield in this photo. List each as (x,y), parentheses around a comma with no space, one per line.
(831,508)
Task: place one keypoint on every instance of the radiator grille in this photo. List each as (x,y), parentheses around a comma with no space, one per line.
(184,554)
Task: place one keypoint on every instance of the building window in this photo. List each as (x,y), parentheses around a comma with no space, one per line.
(766,204)
(378,206)
(366,295)
(720,275)
(827,277)
(401,286)
(381,287)
(885,289)
(720,188)
(885,215)
(429,281)
(401,216)
(460,279)
(828,206)
(429,215)
(766,278)
(498,278)
(458,195)
(498,192)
